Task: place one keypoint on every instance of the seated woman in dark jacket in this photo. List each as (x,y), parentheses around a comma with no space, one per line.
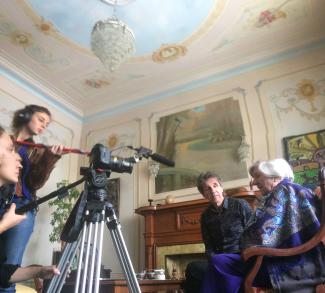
(9,171)
(287,216)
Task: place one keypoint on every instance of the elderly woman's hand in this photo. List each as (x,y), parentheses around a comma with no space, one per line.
(318,192)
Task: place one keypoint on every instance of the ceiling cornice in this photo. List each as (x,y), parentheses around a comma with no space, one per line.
(38,89)
(51,97)
(277,58)
(30,75)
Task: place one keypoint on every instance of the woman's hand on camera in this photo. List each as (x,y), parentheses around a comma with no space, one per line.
(10,219)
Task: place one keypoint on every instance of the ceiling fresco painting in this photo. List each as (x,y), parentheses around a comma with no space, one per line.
(49,42)
(28,45)
(263,16)
(151,21)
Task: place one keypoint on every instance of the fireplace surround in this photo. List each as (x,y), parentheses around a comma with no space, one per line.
(173,231)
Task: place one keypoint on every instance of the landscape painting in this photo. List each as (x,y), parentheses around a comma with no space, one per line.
(207,137)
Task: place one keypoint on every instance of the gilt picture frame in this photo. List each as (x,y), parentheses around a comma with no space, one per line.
(210,135)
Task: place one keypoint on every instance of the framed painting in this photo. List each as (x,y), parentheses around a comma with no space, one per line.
(305,153)
(208,136)
(113,188)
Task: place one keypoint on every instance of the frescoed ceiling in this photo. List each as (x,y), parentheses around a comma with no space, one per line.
(45,45)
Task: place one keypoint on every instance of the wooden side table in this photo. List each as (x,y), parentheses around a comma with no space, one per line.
(120,286)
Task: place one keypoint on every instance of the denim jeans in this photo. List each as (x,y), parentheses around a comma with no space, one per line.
(14,241)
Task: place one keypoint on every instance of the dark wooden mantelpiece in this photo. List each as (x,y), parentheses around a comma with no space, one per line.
(179,223)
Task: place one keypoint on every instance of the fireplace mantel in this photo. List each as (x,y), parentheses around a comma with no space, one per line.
(179,223)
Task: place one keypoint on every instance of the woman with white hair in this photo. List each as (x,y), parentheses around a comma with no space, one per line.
(287,216)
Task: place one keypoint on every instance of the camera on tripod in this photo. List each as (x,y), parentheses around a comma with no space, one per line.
(90,214)
(101,158)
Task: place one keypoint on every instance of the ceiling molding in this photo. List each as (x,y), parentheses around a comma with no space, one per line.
(54,99)
(41,92)
(209,60)
(30,75)
(280,57)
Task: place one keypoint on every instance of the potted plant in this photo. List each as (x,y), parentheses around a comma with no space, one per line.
(62,210)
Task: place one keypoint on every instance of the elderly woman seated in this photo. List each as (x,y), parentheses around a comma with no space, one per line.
(287,216)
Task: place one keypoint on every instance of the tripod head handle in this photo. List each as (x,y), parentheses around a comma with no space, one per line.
(60,193)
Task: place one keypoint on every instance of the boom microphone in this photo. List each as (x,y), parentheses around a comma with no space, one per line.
(146,153)
(160,159)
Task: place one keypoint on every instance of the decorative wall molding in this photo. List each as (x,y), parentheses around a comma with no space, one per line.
(306,89)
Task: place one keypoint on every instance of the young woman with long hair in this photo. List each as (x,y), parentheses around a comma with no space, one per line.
(37,167)
(9,171)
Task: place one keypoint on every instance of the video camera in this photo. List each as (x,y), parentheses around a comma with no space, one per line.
(101,158)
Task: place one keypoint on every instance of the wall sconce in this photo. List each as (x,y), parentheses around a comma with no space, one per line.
(243,150)
(153,168)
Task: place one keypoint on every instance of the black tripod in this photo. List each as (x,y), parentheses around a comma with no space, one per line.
(94,212)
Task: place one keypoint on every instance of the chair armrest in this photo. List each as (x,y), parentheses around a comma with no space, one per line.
(315,240)
(265,251)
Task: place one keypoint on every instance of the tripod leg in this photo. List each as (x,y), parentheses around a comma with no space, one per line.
(66,259)
(122,253)
(99,255)
(80,257)
(63,260)
(93,256)
(86,259)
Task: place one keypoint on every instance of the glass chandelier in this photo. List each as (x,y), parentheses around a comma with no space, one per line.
(112,41)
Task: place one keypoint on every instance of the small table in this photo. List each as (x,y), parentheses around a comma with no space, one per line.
(146,286)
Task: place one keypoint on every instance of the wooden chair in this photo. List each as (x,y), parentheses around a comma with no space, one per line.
(260,252)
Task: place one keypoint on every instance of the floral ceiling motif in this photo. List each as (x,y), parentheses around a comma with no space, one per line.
(113,141)
(264,14)
(167,53)
(309,90)
(21,38)
(307,98)
(270,15)
(96,83)
(31,47)
(46,27)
